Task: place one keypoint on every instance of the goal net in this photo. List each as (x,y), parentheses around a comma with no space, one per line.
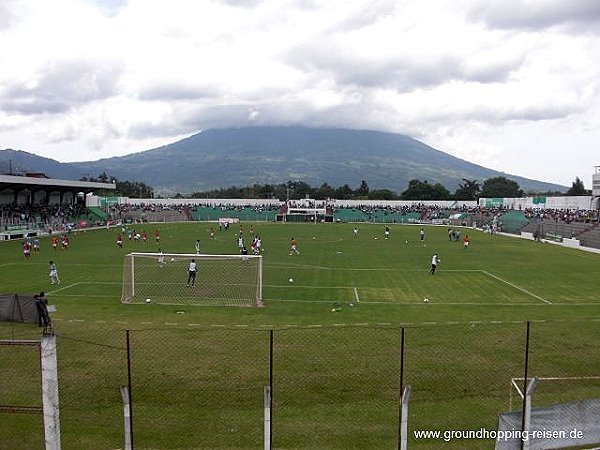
(221,280)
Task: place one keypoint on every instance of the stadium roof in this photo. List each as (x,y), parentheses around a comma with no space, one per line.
(24,182)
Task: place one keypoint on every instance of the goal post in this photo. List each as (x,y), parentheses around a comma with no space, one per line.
(221,280)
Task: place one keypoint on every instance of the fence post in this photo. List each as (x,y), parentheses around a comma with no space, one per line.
(526,363)
(404,422)
(401,411)
(50,391)
(270,412)
(527,414)
(126,416)
(267,418)
(131,440)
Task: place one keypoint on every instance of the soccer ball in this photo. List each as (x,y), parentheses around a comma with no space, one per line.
(406,242)
(291,280)
(172,259)
(426,300)
(148,300)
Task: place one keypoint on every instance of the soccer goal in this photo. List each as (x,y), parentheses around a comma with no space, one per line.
(221,280)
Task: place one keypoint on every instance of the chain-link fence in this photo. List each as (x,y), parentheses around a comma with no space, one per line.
(91,368)
(20,395)
(337,387)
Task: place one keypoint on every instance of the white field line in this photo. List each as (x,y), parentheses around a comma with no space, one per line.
(471,322)
(292,286)
(360,269)
(516,287)
(63,288)
(431,304)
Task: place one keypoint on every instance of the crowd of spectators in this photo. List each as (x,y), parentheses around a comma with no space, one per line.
(119,210)
(181,207)
(231,207)
(563,215)
(52,216)
(38,215)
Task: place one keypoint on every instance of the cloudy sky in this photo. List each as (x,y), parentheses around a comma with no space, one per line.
(513,85)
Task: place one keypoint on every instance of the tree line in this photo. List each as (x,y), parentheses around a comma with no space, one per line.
(416,190)
(131,189)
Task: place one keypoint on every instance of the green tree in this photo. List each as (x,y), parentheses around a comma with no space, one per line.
(382,194)
(467,190)
(363,190)
(299,189)
(577,188)
(134,189)
(324,192)
(501,187)
(422,190)
(344,192)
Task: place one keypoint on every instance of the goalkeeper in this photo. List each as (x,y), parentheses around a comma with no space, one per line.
(192,273)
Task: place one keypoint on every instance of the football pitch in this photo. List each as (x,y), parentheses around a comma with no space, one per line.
(334,317)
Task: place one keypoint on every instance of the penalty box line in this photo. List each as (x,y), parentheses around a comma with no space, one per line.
(516,287)
(63,288)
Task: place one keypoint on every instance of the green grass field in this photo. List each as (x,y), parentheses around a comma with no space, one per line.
(198,371)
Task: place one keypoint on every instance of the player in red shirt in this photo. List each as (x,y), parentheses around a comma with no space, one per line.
(294,247)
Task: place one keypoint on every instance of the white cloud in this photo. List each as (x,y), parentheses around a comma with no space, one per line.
(511,85)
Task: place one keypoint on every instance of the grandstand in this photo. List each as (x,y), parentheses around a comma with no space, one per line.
(376,215)
(513,221)
(31,205)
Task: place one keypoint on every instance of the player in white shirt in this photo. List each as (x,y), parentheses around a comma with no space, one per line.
(197,246)
(434,262)
(192,269)
(258,245)
(53,273)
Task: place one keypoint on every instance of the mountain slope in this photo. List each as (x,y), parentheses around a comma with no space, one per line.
(244,156)
(18,161)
